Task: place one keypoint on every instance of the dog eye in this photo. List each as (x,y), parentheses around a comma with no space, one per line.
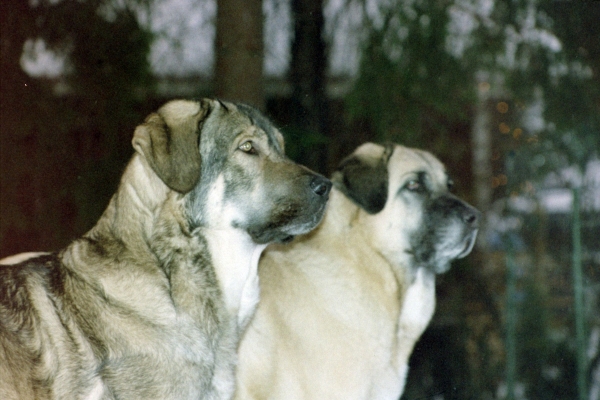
(450,185)
(247,147)
(413,185)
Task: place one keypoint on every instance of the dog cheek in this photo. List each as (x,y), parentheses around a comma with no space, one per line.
(424,248)
(441,232)
(282,215)
(286,204)
(273,228)
(425,240)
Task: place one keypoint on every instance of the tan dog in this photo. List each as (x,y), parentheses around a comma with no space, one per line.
(342,307)
(151,302)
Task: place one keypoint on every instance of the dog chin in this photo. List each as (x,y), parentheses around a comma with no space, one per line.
(286,239)
(283,234)
(443,261)
(468,244)
(260,236)
(285,231)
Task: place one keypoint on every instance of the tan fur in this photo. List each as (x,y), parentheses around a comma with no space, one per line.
(342,307)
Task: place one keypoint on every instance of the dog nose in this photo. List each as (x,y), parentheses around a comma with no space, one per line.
(471,216)
(320,185)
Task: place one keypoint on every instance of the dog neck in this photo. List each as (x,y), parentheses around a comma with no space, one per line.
(345,221)
(235,261)
(231,251)
(340,216)
(133,209)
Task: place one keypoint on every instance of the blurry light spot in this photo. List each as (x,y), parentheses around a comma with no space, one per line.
(499,180)
(504,128)
(533,139)
(484,86)
(517,133)
(539,160)
(502,107)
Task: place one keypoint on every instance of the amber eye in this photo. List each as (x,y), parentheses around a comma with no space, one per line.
(247,147)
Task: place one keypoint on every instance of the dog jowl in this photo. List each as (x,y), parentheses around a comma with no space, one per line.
(151,302)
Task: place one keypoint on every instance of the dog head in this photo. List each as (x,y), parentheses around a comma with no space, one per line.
(228,162)
(413,217)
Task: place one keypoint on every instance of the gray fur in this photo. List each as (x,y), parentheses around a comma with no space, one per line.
(147,304)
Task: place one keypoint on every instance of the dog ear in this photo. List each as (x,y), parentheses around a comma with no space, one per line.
(365,180)
(173,154)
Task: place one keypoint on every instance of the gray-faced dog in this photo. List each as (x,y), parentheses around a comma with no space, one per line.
(150,303)
(343,306)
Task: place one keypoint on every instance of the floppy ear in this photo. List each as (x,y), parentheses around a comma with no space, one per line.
(365,180)
(174,155)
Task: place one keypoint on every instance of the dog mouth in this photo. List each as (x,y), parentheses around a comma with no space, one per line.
(286,239)
(468,244)
(285,226)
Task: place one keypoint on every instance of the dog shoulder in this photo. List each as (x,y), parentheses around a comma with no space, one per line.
(27,285)
(19,281)
(15,319)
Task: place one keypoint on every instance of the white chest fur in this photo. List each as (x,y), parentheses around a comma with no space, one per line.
(235,260)
(417,309)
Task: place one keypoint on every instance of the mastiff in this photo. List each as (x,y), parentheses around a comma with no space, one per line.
(151,302)
(342,307)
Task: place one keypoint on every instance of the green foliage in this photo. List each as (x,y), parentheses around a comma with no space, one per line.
(418,73)
(300,142)
(546,366)
(407,77)
(107,48)
(570,83)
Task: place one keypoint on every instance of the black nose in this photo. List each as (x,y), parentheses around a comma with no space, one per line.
(471,216)
(320,185)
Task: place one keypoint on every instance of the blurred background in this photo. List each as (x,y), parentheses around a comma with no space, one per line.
(505,93)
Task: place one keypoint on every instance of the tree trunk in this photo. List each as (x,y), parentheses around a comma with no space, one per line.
(307,74)
(481,142)
(239,51)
